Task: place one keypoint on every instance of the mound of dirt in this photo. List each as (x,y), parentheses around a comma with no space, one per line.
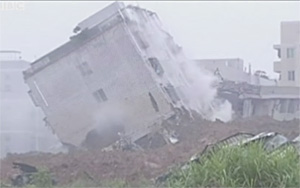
(105,165)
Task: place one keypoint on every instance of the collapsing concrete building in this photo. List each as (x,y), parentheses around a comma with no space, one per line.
(280,103)
(121,67)
(252,95)
(121,75)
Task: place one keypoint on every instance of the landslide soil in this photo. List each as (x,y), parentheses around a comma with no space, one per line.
(134,165)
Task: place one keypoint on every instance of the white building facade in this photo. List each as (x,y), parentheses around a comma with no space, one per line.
(111,65)
(288,52)
(22,127)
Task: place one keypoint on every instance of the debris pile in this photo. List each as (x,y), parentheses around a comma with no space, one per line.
(149,163)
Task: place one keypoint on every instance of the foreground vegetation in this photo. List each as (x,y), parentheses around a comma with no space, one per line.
(249,166)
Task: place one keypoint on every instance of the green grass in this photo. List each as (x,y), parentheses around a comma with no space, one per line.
(249,166)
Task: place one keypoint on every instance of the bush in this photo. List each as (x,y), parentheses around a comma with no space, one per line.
(249,166)
(42,178)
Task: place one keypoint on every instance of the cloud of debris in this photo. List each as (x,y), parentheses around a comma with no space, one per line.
(200,93)
(110,116)
(109,123)
(197,88)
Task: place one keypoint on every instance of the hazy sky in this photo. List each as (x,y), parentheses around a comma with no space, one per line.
(246,30)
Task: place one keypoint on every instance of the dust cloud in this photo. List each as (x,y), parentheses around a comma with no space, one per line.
(200,93)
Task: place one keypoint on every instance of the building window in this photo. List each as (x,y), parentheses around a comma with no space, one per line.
(290,52)
(100,96)
(153,102)
(279,53)
(279,76)
(291,75)
(156,66)
(84,69)
(172,93)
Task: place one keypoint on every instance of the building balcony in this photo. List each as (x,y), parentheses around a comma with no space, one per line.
(278,49)
(277,66)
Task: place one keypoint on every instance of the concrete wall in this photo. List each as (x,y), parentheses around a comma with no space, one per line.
(154,42)
(281,103)
(279,109)
(118,68)
(290,39)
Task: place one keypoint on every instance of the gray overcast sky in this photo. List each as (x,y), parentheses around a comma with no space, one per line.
(247,30)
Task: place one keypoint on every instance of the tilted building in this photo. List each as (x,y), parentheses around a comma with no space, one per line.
(117,63)
(280,103)
(120,73)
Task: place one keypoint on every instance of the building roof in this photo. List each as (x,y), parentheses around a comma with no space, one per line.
(78,40)
(9,51)
(14,64)
(74,43)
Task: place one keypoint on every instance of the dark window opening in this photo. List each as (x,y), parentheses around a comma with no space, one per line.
(100,96)
(291,75)
(84,69)
(172,93)
(279,53)
(154,103)
(290,52)
(156,66)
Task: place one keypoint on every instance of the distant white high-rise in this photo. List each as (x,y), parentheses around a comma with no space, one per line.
(289,53)
(21,124)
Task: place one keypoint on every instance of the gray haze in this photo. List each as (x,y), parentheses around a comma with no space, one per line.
(247,30)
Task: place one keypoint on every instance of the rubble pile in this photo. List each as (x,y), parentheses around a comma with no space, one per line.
(193,135)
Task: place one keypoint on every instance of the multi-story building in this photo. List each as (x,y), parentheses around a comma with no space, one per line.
(21,123)
(120,73)
(118,64)
(288,50)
